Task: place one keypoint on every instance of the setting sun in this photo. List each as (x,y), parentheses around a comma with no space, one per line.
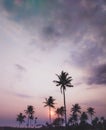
(52,113)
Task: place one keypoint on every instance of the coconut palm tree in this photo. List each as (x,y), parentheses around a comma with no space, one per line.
(76,109)
(60,111)
(58,121)
(84,117)
(91,112)
(30,112)
(35,121)
(49,102)
(95,121)
(74,118)
(64,80)
(20,118)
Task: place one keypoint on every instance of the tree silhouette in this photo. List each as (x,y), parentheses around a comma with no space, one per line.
(91,112)
(73,119)
(35,121)
(49,102)
(64,80)
(58,121)
(76,109)
(84,117)
(30,112)
(20,118)
(60,111)
(95,121)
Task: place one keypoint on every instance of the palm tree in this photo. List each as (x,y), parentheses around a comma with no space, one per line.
(35,121)
(91,112)
(30,112)
(76,109)
(64,81)
(102,120)
(20,118)
(95,121)
(83,117)
(49,102)
(58,121)
(60,111)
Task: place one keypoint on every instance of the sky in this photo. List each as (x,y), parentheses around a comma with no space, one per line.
(39,39)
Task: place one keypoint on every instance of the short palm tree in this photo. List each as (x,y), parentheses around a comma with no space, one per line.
(73,119)
(84,117)
(91,112)
(76,109)
(95,121)
(30,112)
(64,80)
(60,111)
(58,122)
(49,102)
(20,118)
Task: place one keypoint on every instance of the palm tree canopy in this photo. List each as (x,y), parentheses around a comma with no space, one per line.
(64,81)
(20,117)
(60,111)
(84,116)
(30,110)
(49,102)
(76,108)
(90,111)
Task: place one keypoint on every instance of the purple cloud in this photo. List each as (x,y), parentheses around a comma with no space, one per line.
(98,75)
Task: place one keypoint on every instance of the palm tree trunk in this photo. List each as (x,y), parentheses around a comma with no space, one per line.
(49,114)
(19,124)
(65,107)
(28,122)
(91,119)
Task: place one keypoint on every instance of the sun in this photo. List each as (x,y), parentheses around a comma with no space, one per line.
(52,113)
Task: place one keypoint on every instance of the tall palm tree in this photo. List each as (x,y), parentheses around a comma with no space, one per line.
(30,112)
(91,112)
(49,102)
(20,118)
(64,80)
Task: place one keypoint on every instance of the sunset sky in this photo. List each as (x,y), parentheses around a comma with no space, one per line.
(39,39)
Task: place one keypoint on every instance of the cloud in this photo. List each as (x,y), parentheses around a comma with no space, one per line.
(98,76)
(20,68)
(93,103)
(80,23)
(23,95)
(14,93)
(20,72)
(67,17)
